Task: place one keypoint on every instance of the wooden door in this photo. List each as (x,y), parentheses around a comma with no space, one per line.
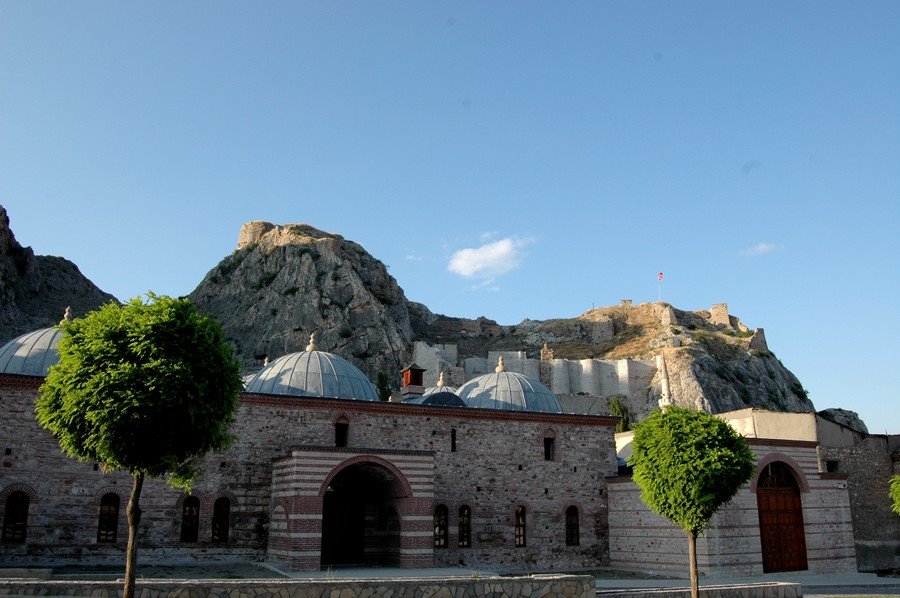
(780,520)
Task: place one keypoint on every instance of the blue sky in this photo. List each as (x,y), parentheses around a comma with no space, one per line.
(506,159)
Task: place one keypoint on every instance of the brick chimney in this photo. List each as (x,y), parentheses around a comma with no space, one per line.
(412,385)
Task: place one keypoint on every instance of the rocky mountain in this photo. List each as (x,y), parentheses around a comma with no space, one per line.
(283,282)
(36,289)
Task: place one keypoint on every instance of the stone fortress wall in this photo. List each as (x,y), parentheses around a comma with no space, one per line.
(592,377)
(582,385)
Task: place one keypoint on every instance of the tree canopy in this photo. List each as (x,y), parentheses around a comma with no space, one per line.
(688,464)
(143,387)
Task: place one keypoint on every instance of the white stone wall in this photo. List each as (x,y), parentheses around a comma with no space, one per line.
(592,377)
(437,358)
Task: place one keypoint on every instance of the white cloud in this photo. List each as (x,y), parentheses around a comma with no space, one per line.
(759,249)
(412,257)
(489,260)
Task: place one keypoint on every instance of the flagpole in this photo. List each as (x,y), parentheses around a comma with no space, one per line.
(659,279)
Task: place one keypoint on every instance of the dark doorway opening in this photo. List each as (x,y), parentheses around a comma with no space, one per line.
(360,518)
(780,519)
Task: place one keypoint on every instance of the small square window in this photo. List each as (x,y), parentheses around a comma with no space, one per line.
(831,466)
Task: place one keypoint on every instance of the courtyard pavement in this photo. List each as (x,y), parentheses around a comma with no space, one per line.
(856,584)
(814,584)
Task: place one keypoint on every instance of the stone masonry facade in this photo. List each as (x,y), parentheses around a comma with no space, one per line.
(277,470)
(866,462)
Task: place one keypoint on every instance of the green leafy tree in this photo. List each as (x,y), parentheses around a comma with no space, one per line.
(144,387)
(618,408)
(687,464)
(383,385)
(895,494)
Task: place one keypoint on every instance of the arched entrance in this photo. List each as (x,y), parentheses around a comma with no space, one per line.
(780,519)
(360,517)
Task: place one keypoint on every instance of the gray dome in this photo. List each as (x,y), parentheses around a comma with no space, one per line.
(441,386)
(313,374)
(435,389)
(31,354)
(510,391)
(440,399)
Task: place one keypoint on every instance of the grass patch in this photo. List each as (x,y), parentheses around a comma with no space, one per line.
(312,253)
(230,264)
(718,345)
(264,280)
(801,392)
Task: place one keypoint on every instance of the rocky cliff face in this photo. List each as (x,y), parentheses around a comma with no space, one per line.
(713,361)
(284,282)
(36,289)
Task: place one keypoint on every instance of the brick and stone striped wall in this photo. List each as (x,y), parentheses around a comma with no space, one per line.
(639,538)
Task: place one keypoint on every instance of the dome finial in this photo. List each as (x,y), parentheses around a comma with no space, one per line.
(440,382)
(500,367)
(68,316)
(265,360)
(312,343)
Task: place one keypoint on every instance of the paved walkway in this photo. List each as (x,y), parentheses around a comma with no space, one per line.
(814,584)
(856,584)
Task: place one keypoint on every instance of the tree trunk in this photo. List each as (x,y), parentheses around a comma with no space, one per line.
(692,555)
(134,519)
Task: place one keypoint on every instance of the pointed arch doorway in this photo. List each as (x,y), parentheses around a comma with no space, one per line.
(361,517)
(780,519)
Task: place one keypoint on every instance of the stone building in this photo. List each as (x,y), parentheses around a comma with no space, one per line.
(329,480)
(818,501)
(494,475)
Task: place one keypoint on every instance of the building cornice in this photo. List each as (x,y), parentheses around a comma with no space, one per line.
(752,441)
(20,381)
(388,408)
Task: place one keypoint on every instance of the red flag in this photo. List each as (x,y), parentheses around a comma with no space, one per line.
(659,276)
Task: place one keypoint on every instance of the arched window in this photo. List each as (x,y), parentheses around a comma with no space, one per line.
(15,518)
(465,526)
(777,475)
(190,519)
(440,526)
(108,523)
(572,531)
(341,432)
(220,520)
(520,526)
